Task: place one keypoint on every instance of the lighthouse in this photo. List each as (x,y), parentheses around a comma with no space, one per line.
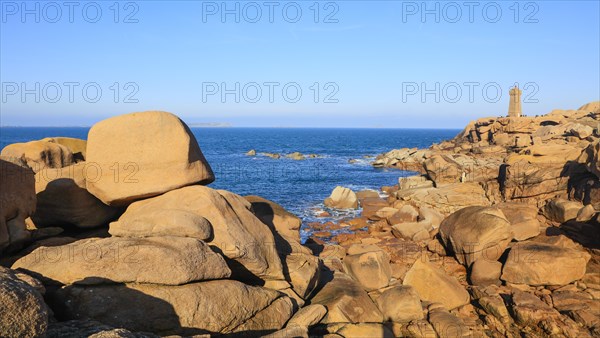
(514,107)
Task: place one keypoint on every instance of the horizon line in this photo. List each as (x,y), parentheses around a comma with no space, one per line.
(260,127)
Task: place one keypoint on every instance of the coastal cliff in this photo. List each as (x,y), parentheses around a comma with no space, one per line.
(121,236)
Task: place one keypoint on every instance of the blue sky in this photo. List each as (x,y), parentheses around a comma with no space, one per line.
(370,60)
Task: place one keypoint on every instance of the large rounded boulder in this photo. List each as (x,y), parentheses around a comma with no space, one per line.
(476,232)
(145,154)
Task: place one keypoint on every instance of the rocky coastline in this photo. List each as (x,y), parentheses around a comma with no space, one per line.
(497,235)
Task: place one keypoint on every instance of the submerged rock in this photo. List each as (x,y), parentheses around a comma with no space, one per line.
(296,156)
(274,156)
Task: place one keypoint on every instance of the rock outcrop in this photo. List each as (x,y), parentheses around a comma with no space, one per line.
(176,255)
(526,158)
(495,237)
(446,199)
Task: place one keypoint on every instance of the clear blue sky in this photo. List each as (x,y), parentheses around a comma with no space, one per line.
(372,53)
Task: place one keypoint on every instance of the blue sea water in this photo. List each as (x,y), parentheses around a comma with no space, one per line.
(300,186)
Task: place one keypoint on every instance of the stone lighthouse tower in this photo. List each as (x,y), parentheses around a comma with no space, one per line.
(514,107)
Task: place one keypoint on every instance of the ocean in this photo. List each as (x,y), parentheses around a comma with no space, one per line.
(299,186)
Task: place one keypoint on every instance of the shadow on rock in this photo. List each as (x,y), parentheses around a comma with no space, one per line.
(584,233)
(117,305)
